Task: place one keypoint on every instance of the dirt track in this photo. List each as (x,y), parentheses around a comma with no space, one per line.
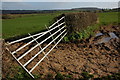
(100,59)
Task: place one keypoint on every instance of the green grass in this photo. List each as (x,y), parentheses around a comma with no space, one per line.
(20,74)
(25,24)
(36,22)
(108,18)
(0,28)
(83,34)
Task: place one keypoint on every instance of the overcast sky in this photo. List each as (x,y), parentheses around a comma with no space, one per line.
(56,4)
(60,0)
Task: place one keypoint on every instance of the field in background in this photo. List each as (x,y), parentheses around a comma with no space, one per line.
(109,18)
(36,22)
(26,24)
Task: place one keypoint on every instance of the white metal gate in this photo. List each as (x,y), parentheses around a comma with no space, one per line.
(58,30)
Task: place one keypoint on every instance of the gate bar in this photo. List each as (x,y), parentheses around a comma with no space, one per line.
(37,43)
(38,52)
(47,53)
(21,64)
(50,34)
(25,38)
(56,22)
(36,39)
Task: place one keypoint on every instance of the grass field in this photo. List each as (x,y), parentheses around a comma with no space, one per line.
(108,17)
(36,22)
(25,24)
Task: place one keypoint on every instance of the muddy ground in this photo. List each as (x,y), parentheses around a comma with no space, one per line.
(98,55)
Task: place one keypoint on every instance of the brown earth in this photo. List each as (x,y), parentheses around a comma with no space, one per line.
(0,59)
(87,55)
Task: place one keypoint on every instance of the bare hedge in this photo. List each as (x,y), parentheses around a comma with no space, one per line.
(78,21)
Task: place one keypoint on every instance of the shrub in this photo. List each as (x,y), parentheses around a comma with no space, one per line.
(86,75)
(59,76)
(6,16)
(76,22)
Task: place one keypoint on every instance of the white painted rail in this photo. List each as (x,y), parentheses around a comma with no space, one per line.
(25,38)
(47,53)
(36,38)
(38,44)
(57,21)
(35,34)
(42,50)
(57,29)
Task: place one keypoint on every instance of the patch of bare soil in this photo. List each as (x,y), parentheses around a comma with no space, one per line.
(98,55)
(0,58)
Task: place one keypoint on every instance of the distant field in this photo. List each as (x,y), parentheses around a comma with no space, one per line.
(25,24)
(108,17)
(36,22)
